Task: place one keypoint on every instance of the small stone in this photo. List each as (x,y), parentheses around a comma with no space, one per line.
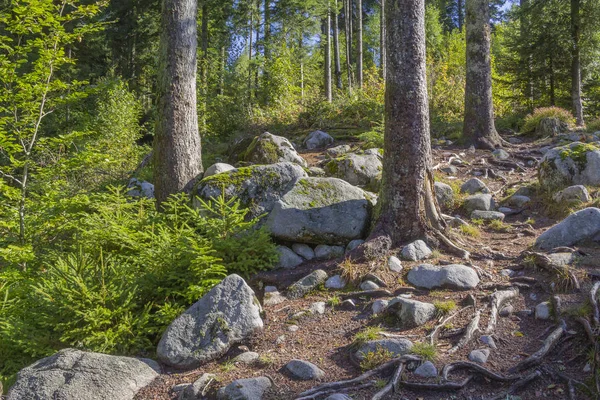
(587,368)
(379,305)
(317,308)
(514,140)
(338,396)
(369,285)
(426,370)
(397,347)
(481,201)
(306,284)
(180,387)
(304,370)
(454,276)
(270,289)
(489,341)
(348,304)
(487,215)
(506,210)
(287,258)
(293,328)
(501,154)
(280,340)
(507,272)
(335,282)
(444,194)
(542,311)
(533,296)
(473,186)
(374,278)
(577,193)
(273,298)
(325,252)
(417,250)
(517,201)
(304,251)
(394,264)
(194,390)
(354,244)
(506,311)
(479,356)
(245,389)
(450,170)
(248,357)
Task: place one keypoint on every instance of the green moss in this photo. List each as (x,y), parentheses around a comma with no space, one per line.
(578,153)
(235,177)
(267,151)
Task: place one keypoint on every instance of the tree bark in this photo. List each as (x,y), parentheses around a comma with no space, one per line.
(250,31)
(177,149)
(336,47)
(525,50)
(327,54)
(479,129)
(382,47)
(204,65)
(267,51)
(575,63)
(359,45)
(459,11)
(408,209)
(348,32)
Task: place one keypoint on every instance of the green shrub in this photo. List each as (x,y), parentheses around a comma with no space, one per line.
(533,120)
(593,126)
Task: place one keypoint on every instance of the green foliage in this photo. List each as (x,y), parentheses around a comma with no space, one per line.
(532,121)
(426,351)
(367,334)
(444,307)
(374,359)
(470,230)
(593,126)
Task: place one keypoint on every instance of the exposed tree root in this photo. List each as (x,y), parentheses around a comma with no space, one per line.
(356,387)
(478,369)
(392,384)
(469,332)
(496,302)
(452,248)
(570,381)
(367,293)
(518,385)
(544,262)
(435,332)
(536,357)
(437,386)
(594,302)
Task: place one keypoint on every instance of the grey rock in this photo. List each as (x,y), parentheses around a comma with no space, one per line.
(316,172)
(444,194)
(579,226)
(288,259)
(453,276)
(394,264)
(304,370)
(317,140)
(354,244)
(562,259)
(258,187)
(317,308)
(411,313)
(248,357)
(73,375)
(348,304)
(473,186)
(487,215)
(306,284)
(227,314)
(245,389)
(321,210)
(542,311)
(374,151)
(506,210)
(335,282)
(426,370)
(517,201)
(501,154)
(479,356)
(303,250)
(180,388)
(398,347)
(137,188)
(368,285)
(271,289)
(379,305)
(273,298)
(489,341)
(194,390)
(338,150)
(450,170)
(338,396)
(572,194)
(357,169)
(514,140)
(550,126)
(506,311)
(482,202)
(269,149)
(524,191)
(326,252)
(574,164)
(217,168)
(415,251)
(293,328)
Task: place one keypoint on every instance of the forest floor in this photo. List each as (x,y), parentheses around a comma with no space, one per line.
(327,340)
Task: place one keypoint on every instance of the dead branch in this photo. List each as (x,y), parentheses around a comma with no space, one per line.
(588,329)
(434,333)
(537,357)
(367,293)
(452,248)
(496,301)
(544,262)
(469,332)
(392,384)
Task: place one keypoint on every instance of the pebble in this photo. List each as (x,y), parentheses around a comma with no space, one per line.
(335,282)
(293,328)
(542,311)
(318,308)
(506,311)
(489,341)
(426,370)
(270,289)
(394,264)
(479,356)
(304,370)
(368,285)
(379,305)
(248,357)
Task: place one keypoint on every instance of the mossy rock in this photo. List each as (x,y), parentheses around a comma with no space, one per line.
(269,149)
(572,164)
(362,170)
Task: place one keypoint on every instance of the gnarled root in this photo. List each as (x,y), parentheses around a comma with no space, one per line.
(518,385)
(392,384)
(435,332)
(496,301)
(536,357)
(469,332)
(544,262)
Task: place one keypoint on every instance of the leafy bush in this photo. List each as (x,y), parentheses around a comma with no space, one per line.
(593,126)
(121,272)
(533,120)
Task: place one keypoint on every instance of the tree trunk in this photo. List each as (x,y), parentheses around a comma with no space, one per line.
(525,52)
(222,71)
(250,31)
(575,63)
(204,66)
(459,11)
(382,35)
(336,48)
(552,82)
(177,150)
(408,209)
(359,45)
(348,34)
(327,55)
(267,51)
(479,129)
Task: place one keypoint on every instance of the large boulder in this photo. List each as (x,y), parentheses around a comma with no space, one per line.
(577,227)
(269,149)
(72,374)
(217,168)
(481,202)
(453,276)
(444,194)
(258,187)
(573,164)
(227,314)
(137,188)
(572,194)
(321,210)
(550,126)
(317,140)
(357,169)
(411,313)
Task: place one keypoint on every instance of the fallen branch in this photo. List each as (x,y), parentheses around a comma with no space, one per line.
(367,293)
(588,329)
(469,332)
(496,301)
(537,357)
(434,333)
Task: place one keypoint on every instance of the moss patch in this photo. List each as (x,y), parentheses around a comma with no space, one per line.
(578,153)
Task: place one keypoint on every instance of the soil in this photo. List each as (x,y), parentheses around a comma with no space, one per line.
(327,340)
